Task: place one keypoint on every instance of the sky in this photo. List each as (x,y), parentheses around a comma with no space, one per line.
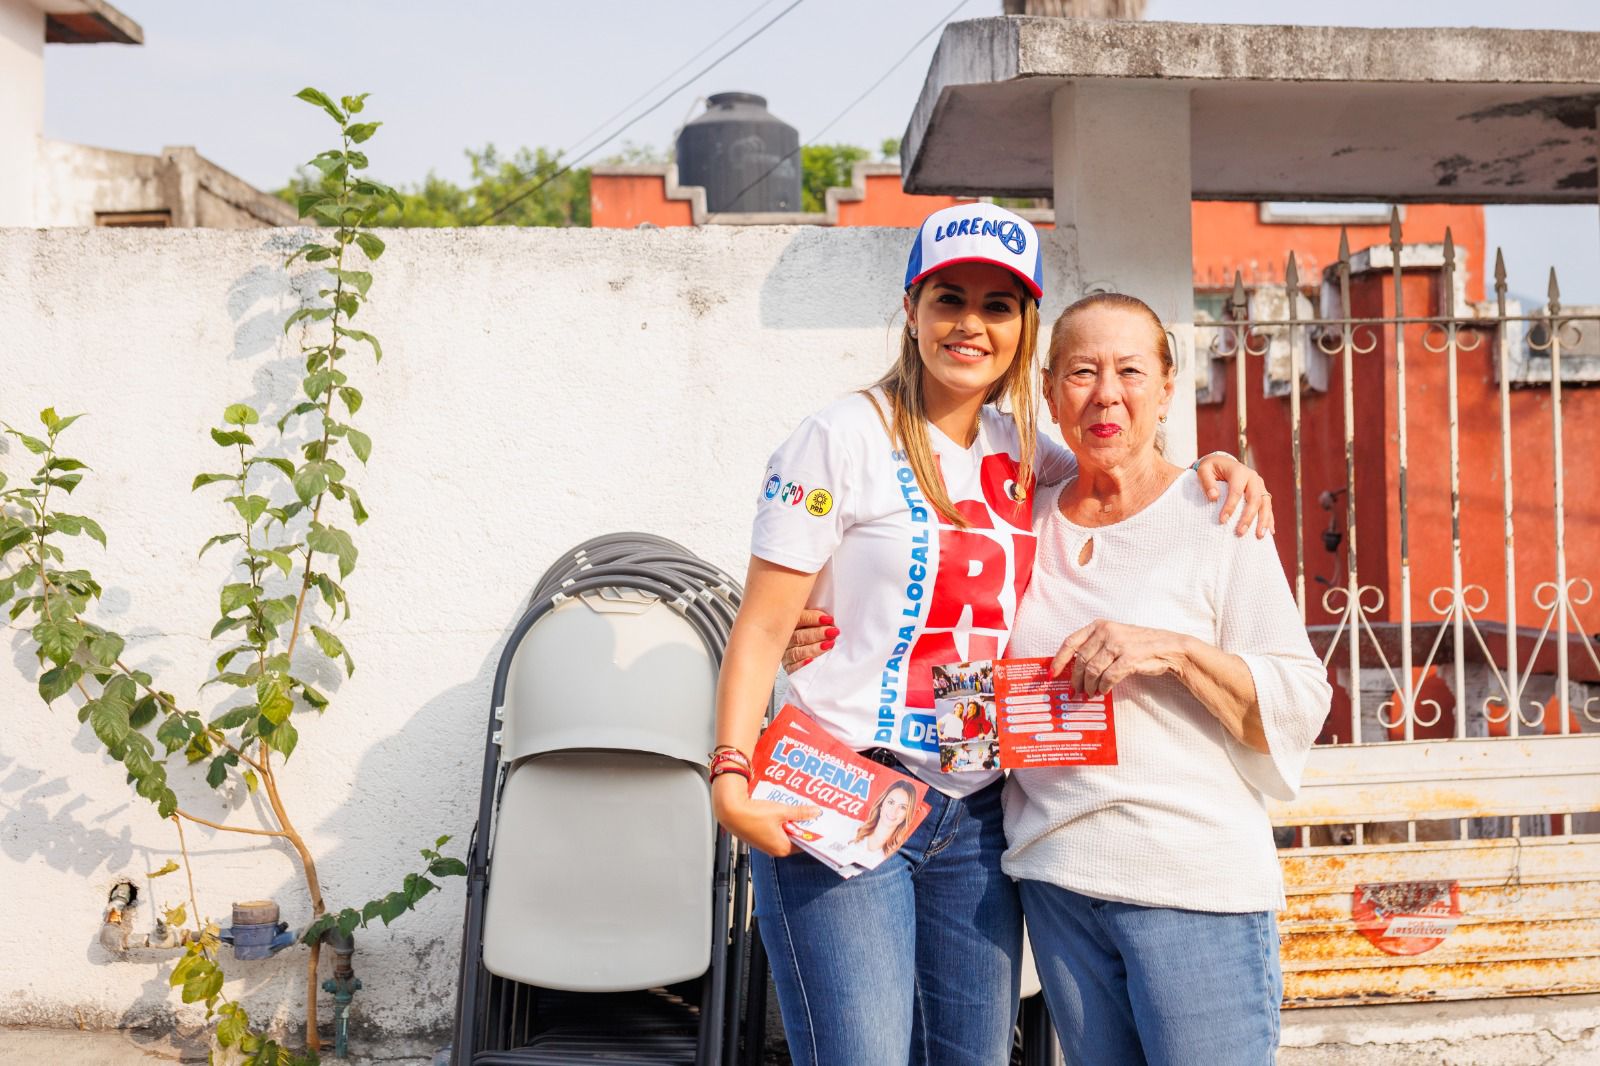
(448,76)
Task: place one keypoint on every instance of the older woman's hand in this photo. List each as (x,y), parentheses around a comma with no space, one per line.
(1103,653)
(1245,486)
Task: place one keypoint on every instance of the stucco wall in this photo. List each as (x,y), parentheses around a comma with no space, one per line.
(21,107)
(538,387)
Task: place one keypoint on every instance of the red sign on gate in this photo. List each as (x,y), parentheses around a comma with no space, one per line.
(1407,917)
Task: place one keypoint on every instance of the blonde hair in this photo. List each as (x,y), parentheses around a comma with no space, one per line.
(1058,331)
(907,423)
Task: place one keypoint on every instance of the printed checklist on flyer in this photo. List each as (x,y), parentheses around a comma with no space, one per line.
(1010,714)
(868,809)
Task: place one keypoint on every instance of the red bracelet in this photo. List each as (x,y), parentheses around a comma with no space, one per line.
(730,760)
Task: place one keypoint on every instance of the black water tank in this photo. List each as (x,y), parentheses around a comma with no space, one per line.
(747,159)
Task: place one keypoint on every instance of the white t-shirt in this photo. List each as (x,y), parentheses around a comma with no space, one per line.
(907,589)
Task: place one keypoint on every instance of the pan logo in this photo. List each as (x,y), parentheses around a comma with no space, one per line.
(772,486)
(919,731)
(792,493)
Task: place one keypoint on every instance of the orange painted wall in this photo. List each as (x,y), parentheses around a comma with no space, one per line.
(1230,237)
(1377,466)
(622,201)
(887,204)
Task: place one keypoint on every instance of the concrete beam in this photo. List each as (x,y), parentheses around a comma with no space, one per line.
(1277,112)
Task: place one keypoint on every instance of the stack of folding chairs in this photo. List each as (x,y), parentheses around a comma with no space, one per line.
(606,912)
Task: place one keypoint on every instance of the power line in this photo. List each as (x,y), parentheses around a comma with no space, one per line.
(852,104)
(519,197)
(672,73)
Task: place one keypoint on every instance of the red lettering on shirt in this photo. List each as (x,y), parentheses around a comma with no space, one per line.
(972,573)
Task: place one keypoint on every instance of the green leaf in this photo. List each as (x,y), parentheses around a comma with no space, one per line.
(49,418)
(228,438)
(280,559)
(221,538)
(250,508)
(370,244)
(62,463)
(144,712)
(105,648)
(362,130)
(91,527)
(360,280)
(447,868)
(298,409)
(320,99)
(283,465)
(354,104)
(233,1026)
(225,624)
(121,691)
(206,479)
(337,542)
(218,773)
(393,906)
(365,337)
(58,681)
(351,398)
(333,648)
(58,640)
(203,983)
(360,443)
(240,414)
(237,595)
(276,708)
(66,482)
(109,722)
(235,718)
(169,867)
(173,733)
(33,444)
(311,480)
(283,738)
(251,782)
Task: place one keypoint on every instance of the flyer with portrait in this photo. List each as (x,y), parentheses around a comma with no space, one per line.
(1010,714)
(868,809)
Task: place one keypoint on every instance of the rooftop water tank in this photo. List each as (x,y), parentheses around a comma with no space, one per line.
(747,159)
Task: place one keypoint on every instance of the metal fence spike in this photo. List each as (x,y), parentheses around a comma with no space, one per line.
(1499,270)
(1449,248)
(1555,290)
(1344,246)
(1291,278)
(1394,225)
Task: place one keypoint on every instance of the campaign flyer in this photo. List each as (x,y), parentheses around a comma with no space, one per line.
(1010,714)
(868,809)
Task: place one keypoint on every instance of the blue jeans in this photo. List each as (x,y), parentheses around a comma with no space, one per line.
(915,962)
(1130,985)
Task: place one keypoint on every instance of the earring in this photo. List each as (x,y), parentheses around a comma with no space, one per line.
(1162,420)
(913,332)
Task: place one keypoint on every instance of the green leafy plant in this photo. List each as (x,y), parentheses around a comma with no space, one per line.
(292,510)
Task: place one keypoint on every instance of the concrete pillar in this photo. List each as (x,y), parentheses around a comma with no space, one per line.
(21,107)
(1122,193)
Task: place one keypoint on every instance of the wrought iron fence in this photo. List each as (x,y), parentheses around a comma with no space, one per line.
(1485,806)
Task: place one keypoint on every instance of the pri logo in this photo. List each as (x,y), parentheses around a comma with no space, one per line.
(820,502)
(1406,917)
(772,486)
(792,493)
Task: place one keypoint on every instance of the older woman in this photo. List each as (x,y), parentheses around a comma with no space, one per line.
(1149,887)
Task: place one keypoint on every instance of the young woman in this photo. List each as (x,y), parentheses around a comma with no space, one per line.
(907,509)
(888,821)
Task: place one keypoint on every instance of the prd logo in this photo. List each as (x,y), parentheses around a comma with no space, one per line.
(820,502)
(772,486)
(792,493)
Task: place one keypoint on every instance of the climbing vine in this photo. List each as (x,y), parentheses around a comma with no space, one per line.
(293,509)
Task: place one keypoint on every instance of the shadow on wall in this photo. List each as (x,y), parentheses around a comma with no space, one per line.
(806,289)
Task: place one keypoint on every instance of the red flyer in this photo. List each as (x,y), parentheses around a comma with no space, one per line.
(1010,714)
(868,809)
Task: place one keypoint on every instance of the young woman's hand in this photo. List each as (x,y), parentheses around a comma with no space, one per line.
(813,635)
(758,823)
(1244,486)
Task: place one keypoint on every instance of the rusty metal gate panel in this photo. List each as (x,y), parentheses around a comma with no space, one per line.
(1446,843)
(1529,907)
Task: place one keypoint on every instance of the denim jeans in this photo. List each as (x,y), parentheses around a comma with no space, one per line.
(915,962)
(1130,985)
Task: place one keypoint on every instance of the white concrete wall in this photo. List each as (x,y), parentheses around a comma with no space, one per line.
(21,107)
(539,387)
(74,181)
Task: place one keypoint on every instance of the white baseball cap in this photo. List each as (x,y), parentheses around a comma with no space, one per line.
(977,233)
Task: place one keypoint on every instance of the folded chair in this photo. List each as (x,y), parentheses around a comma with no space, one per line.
(606,912)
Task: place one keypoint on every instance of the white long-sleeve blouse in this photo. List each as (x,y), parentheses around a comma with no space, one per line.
(1181,820)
